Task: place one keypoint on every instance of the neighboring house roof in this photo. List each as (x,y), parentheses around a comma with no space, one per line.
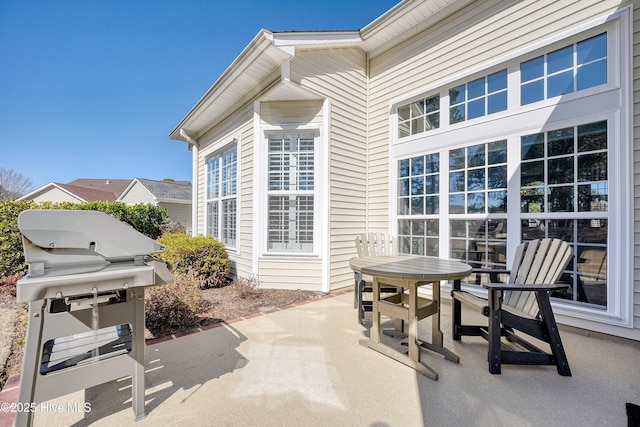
(81,194)
(88,194)
(113,186)
(111,190)
(260,67)
(162,190)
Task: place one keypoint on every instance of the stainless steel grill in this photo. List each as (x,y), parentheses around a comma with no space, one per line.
(85,289)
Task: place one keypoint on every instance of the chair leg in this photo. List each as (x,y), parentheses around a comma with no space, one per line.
(557,349)
(456,316)
(495,320)
(360,288)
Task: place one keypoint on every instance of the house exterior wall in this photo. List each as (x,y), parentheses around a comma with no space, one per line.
(465,43)
(340,75)
(138,194)
(238,128)
(636,161)
(55,195)
(180,212)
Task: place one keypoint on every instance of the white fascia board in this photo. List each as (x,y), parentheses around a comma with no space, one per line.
(317,39)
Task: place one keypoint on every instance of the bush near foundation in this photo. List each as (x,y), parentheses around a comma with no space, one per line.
(204,257)
(173,307)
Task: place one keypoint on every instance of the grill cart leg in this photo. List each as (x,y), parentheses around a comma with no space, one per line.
(26,396)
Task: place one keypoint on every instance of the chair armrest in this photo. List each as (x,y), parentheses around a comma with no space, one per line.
(524,287)
(489,271)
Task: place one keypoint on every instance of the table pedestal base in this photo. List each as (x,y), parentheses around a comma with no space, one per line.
(421,367)
(448,354)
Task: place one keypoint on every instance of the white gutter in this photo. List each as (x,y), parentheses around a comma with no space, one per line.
(195,149)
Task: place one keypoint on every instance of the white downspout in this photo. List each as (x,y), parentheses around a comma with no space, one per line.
(195,150)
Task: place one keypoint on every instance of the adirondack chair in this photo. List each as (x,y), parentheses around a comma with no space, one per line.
(371,244)
(523,305)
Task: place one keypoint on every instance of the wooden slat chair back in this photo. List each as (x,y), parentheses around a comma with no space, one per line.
(375,244)
(371,244)
(522,304)
(538,262)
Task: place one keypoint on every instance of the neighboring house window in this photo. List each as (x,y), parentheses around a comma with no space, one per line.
(291,192)
(575,67)
(419,116)
(222,203)
(480,97)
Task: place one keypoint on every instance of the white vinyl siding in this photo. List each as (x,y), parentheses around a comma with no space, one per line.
(339,74)
(466,46)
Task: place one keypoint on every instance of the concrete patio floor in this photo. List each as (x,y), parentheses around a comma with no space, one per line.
(303,366)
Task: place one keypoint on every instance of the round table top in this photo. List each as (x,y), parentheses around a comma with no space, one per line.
(410,267)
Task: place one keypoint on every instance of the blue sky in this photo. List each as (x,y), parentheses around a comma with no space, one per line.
(92,88)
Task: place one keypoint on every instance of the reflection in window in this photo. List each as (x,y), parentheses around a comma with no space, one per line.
(478,179)
(565,170)
(418,236)
(576,67)
(587,272)
(480,97)
(419,185)
(419,116)
(479,243)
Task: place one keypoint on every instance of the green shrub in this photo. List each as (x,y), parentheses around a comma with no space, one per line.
(147,219)
(175,306)
(11,254)
(204,257)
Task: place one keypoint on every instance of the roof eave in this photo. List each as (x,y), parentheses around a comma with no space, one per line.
(260,46)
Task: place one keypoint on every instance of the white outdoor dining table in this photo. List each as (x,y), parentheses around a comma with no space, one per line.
(409,272)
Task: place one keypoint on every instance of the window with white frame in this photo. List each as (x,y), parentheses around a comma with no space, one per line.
(291,192)
(477,98)
(572,68)
(419,116)
(564,172)
(222,195)
(505,185)
(478,186)
(419,204)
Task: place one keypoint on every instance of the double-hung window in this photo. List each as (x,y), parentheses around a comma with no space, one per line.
(291,192)
(222,195)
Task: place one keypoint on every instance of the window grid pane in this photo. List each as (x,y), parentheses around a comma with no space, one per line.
(576,67)
(419,116)
(222,176)
(477,98)
(565,170)
(477,179)
(292,176)
(419,185)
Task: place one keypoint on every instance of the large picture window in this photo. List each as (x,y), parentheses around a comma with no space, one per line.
(473,191)
(222,203)
(291,192)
